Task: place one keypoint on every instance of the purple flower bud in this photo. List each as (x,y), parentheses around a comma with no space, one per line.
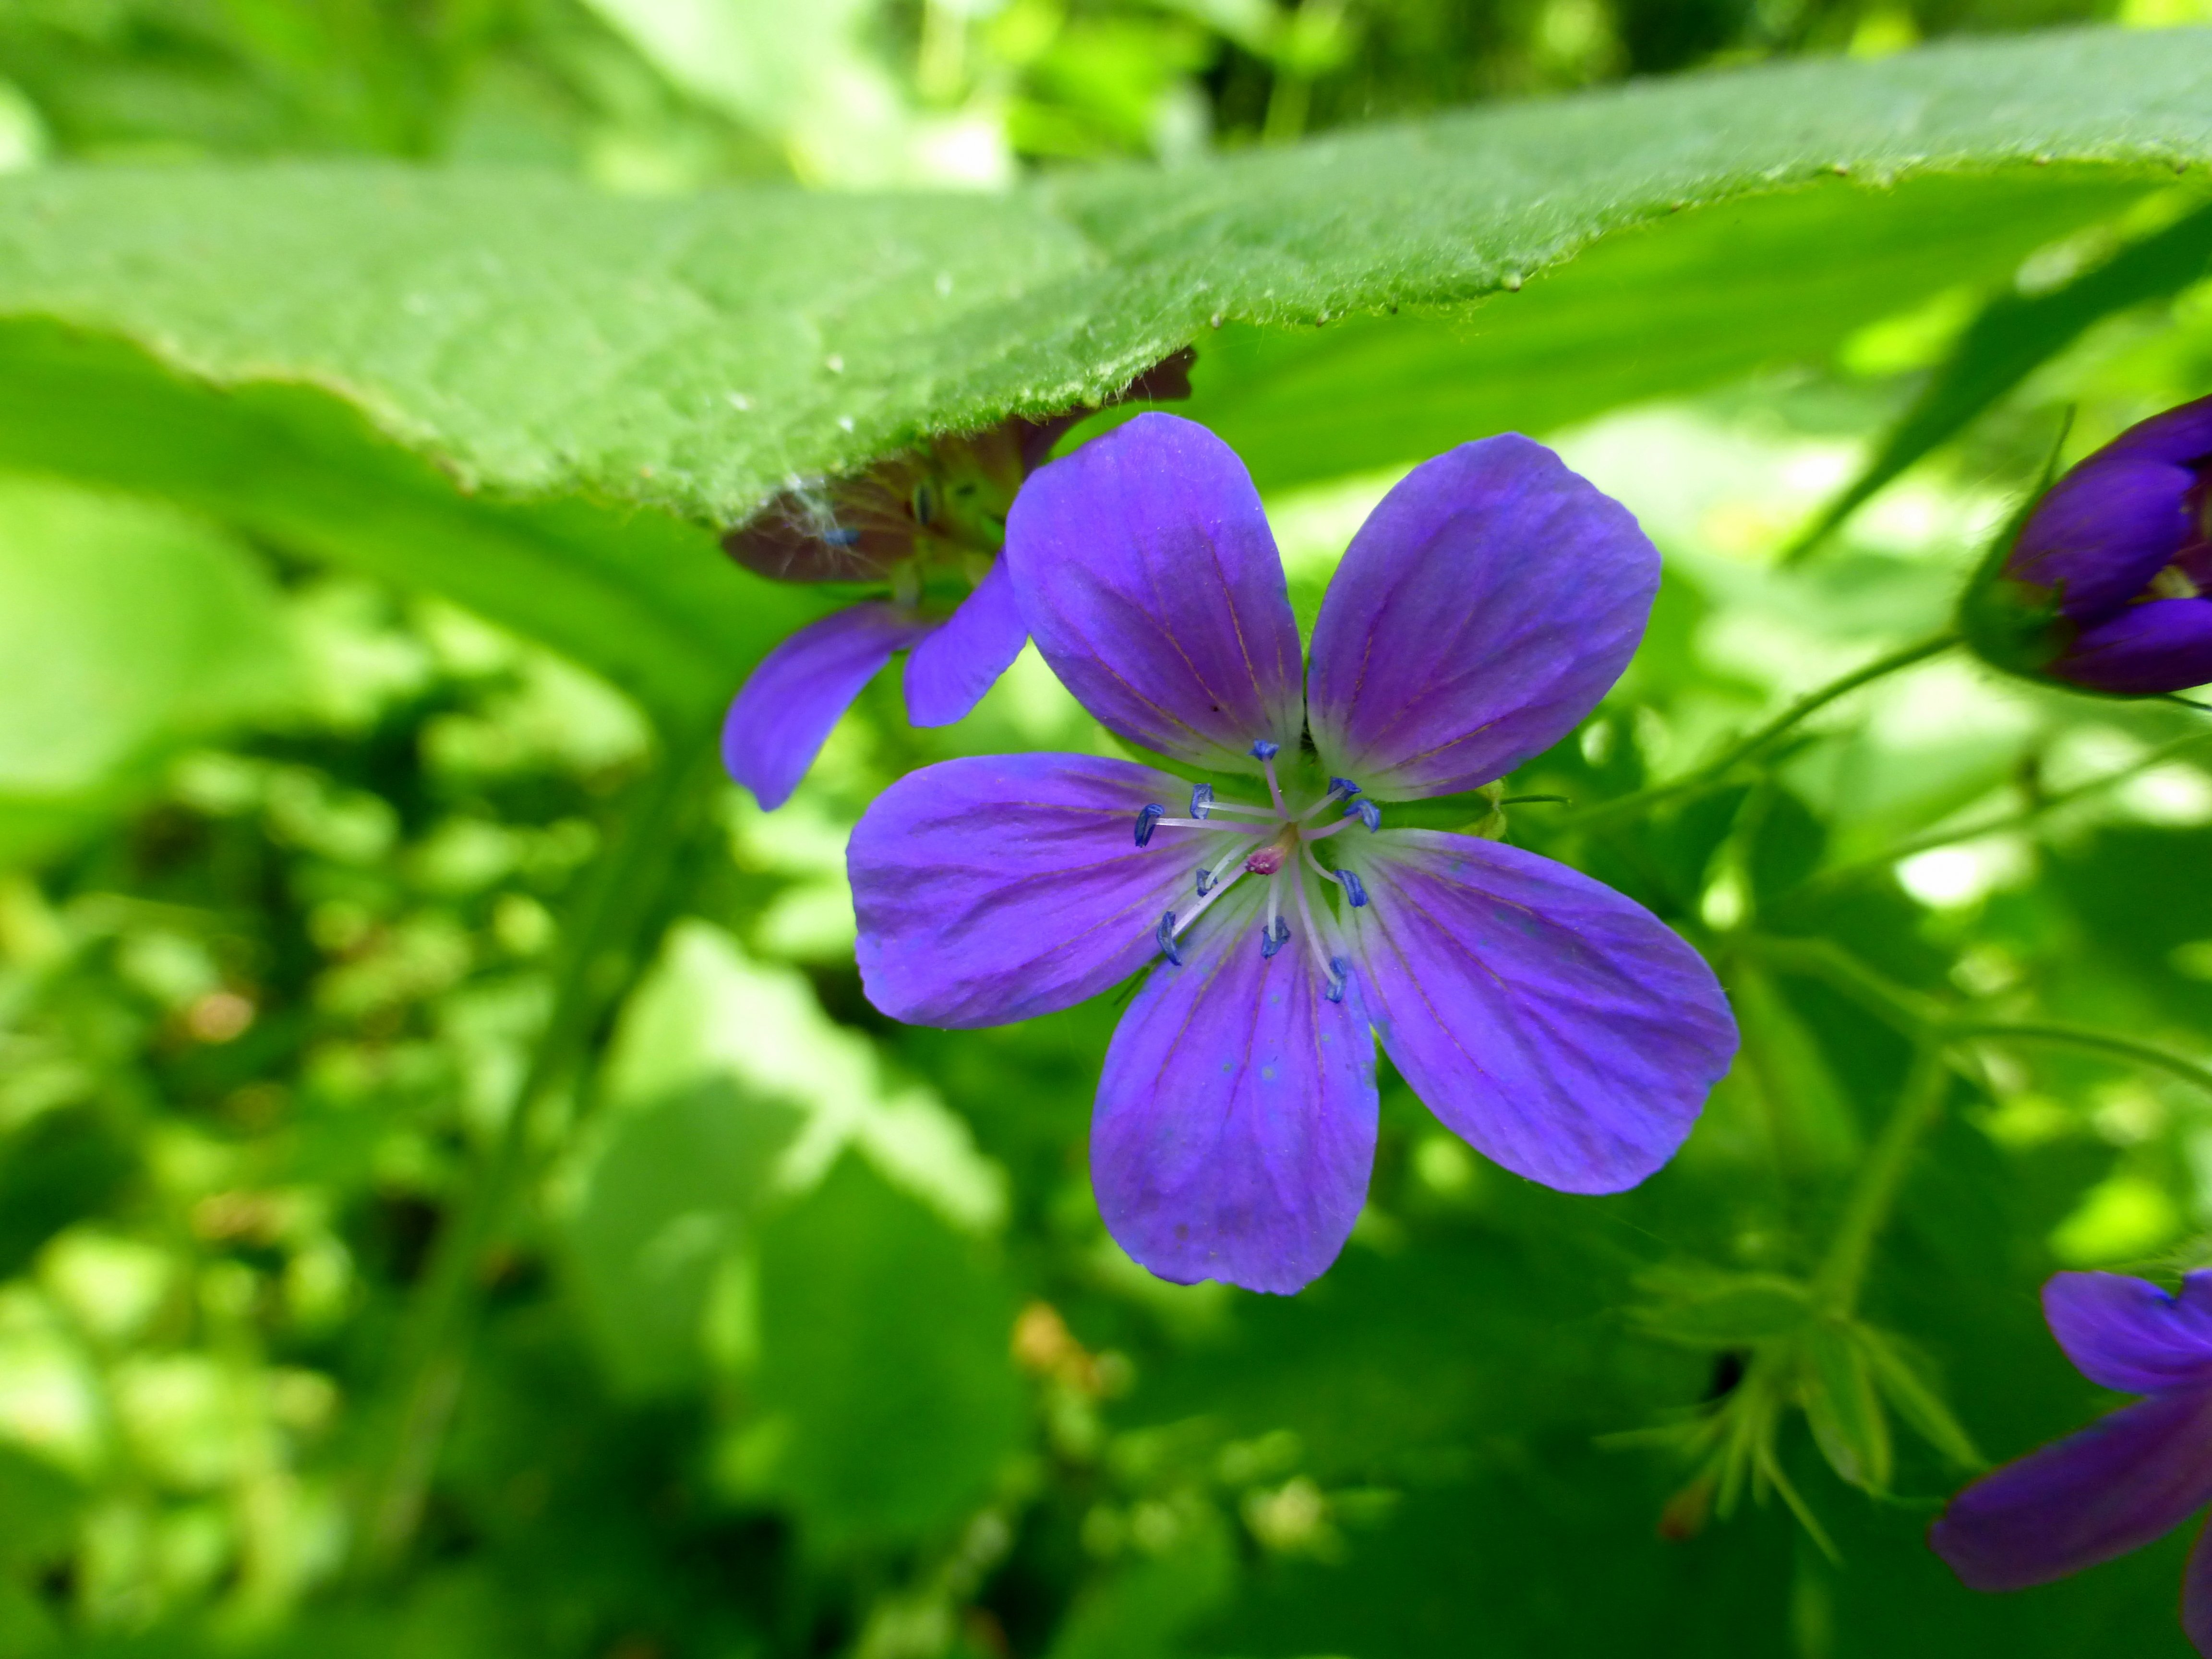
(2108,584)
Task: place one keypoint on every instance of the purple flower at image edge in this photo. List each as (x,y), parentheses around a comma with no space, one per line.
(935,513)
(2109,584)
(2124,1481)
(1482,610)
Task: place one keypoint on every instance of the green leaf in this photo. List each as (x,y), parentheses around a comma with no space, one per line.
(884,1351)
(41,1504)
(669,1201)
(534,335)
(1144,1610)
(2012,336)
(1704,298)
(645,600)
(1706,1307)
(125,630)
(1917,1401)
(1844,1407)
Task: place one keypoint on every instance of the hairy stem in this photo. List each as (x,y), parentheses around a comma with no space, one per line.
(1715,771)
(600,959)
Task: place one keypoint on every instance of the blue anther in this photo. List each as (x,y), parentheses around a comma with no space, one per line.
(1201,803)
(1204,881)
(1271,941)
(1339,970)
(1355,888)
(1164,935)
(838,536)
(1367,812)
(1342,786)
(1265,750)
(1147,818)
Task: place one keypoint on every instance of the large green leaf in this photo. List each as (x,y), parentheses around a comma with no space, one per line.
(1656,310)
(535,335)
(469,380)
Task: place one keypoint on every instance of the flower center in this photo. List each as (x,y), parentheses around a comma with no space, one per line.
(1274,842)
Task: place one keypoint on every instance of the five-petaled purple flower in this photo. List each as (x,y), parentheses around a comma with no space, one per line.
(2109,583)
(1481,611)
(928,525)
(2123,1481)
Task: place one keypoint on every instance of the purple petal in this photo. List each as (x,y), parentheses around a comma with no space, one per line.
(2182,434)
(994,889)
(2129,1335)
(1151,583)
(2113,1487)
(784,713)
(1480,613)
(1235,1129)
(1563,1029)
(2196,1596)
(950,671)
(2105,530)
(2160,646)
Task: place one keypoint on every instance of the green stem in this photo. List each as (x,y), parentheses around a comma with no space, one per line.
(597,962)
(1843,874)
(1916,1015)
(1715,771)
(2080,1036)
(1874,1189)
(1921,1016)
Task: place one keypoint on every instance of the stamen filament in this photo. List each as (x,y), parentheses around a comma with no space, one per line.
(1314,943)
(1207,877)
(1166,823)
(1265,753)
(1184,921)
(1355,888)
(1339,789)
(1312,835)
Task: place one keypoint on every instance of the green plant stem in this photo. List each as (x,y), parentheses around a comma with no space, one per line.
(1844,874)
(1715,771)
(599,960)
(1874,1189)
(2082,1036)
(1911,1012)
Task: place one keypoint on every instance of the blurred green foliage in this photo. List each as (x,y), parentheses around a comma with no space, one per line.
(455,1199)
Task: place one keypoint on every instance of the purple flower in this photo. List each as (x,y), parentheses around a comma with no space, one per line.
(928,525)
(2123,1481)
(2109,584)
(1479,615)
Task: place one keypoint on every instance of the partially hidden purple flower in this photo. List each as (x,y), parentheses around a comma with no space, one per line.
(927,525)
(1480,613)
(2124,1481)
(2109,584)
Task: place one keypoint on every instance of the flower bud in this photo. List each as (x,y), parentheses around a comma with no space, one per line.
(2108,584)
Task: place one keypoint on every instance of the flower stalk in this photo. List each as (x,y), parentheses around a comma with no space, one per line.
(603,950)
(1716,771)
